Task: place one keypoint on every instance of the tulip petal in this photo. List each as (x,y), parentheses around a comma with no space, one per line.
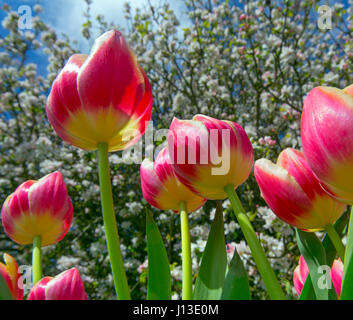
(38,291)
(64,108)
(298,284)
(281,192)
(9,272)
(67,285)
(336,276)
(326,131)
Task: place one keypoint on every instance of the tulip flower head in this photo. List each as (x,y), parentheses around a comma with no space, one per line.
(68,285)
(162,189)
(38,208)
(327,138)
(301,272)
(103,97)
(209,154)
(337,275)
(293,192)
(9,271)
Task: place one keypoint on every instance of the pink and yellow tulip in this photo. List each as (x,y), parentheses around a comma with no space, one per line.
(162,189)
(209,154)
(294,194)
(9,271)
(103,97)
(38,208)
(68,285)
(337,275)
(301,272)
(327,138)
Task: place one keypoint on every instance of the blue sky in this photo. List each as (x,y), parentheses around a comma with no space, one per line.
(66,16)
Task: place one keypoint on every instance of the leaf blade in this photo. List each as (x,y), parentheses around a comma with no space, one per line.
(347,278)
(308,289)
(159,279)
(210,280)
(5,293)
(236,284)
(314,255)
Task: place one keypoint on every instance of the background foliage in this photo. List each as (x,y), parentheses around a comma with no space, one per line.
(252,62)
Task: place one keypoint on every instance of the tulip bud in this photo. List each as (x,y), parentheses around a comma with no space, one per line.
(9,271)
(68,285)
(327,138)
(38,208)
(300,274)
(162,189)
(337,275)
(104,97)
(209,154)
(293,192)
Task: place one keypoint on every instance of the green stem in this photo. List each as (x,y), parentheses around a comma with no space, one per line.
(336,240)
(186,253)
(37,259)
(110,225)
(273,287)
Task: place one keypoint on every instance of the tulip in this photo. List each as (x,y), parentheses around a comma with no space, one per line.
(212,158)
(194,147)
(295,195)
(163,190)
(68,285)
(103,102)
(103,97)
(38,212)
(9,271)
(301,272)
(337,275)
(327,138)
(38,208)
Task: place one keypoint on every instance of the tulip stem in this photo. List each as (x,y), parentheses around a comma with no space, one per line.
(336,240)
(37,259)
(186,253)
(110,225)
(273,287)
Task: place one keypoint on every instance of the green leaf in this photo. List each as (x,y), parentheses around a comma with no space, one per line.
(210,280)
(327,243)
(159,280)
(236,285)
(308,292)
(347,279)
(5,293)
(308,289)
(314,255)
